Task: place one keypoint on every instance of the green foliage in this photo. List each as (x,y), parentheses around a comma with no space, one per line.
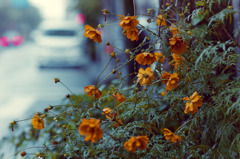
(208,68)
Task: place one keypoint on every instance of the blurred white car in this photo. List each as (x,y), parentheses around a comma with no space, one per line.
(59,44)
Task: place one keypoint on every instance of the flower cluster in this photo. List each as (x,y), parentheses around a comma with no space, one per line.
(177,44)
(129,23)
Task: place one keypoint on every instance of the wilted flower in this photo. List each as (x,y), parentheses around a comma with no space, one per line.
(159,56)
(178,61)
(93,91)
(177,45)
(119,97)
(145,76)
(108,113)
(193,103)
(169,135)
(128,22)
(161,20)
(93,34)
(132,34)
(37,122)
(140,142)
(91,128)
(145,58)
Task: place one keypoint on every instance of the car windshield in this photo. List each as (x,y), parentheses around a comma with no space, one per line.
(59,32)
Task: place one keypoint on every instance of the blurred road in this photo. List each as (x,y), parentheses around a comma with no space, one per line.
(25,89)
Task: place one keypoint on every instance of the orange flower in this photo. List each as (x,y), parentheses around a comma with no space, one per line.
(175,31)
(128,22)
(37,122)
(145,76)
(161,20)
(178,61)
(159,56)
(119,97)
(177,45)
(92,33)
(193,103)
(92,129)
(145,58)
(165,77)
(132,34)
(93,91)
(169,135)
(172,82)
(140,141)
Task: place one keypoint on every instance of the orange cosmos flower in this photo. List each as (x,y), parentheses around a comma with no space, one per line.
(159,56)
(145,76)
(177,45)
(165,77)
(132,34)
(93,91)
(37,122)
(145,58)
(128,22)
(161,20)
(178,61)
(92,129)
(193,103)
(119,97)
(169,135)
(92,33)
(140,142)
(172,82)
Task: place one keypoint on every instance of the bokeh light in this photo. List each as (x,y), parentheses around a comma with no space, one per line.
(108,49)
(4,41)
(17,40)
(80,18)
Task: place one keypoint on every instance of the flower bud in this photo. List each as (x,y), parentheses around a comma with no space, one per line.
(100,25)
(114,71)
(127,51)
(23,153)
(117,60)
(113,54)
(56,80)
(105,11)
(107,43)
